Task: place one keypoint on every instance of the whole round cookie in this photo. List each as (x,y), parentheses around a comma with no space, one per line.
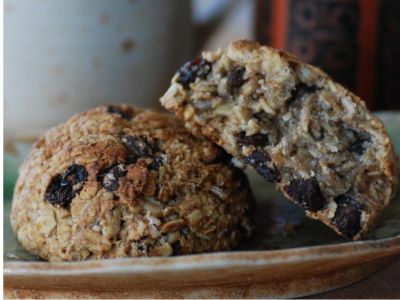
(295,126)
(119,181)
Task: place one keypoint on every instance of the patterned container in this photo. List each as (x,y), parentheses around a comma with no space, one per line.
(357,42)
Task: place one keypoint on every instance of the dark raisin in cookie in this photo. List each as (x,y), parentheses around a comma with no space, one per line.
(127,182)
(296,127)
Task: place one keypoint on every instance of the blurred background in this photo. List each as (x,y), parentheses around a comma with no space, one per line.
(357,42)
(65,56)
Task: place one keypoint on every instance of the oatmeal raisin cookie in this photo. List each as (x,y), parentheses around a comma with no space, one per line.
(119,181)
(296,127)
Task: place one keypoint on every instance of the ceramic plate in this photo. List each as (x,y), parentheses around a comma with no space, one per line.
(289,256)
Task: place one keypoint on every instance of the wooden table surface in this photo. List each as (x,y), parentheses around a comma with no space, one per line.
(382,285)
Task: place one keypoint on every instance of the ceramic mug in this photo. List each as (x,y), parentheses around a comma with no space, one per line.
(62,57)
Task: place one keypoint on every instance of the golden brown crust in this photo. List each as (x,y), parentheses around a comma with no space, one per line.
(120,181)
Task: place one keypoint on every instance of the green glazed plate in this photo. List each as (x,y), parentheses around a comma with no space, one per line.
(282,230)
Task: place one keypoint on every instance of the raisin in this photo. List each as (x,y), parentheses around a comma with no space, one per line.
(222,157)
(157,162)
(197,68)
(358,145)
(300,90)
(116,110)
(63,188)
(75,174)
(52,193)
(347,215)
(258,160)
(110,178)
(306,192)
(176,248)
(258,139)
(138,147)
(235,77)
(261,116)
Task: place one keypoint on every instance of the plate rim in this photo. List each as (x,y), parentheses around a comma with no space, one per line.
(217,260)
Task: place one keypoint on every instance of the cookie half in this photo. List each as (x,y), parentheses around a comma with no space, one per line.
(118,181)
(296,127)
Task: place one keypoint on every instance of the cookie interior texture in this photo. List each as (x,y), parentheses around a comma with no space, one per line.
(297,128)
(118,181)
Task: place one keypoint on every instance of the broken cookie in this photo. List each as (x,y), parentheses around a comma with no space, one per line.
(295,127)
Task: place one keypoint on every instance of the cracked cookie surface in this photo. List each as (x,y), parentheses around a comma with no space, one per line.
(118,181)
(296,127)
